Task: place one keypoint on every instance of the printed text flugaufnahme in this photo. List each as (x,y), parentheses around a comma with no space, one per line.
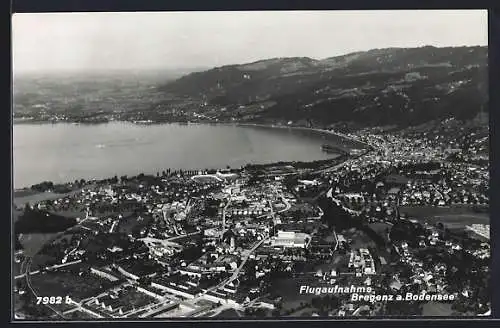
(335,290)
(361,293)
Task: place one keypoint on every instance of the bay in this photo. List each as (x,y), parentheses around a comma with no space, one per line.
(64,152)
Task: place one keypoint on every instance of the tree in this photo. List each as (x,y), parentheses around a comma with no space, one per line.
(260,312)
(27,208)
(316,302)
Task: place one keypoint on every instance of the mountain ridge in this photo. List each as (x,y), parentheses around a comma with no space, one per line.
(424,83)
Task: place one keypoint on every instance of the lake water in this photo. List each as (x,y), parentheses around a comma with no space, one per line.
(65,152)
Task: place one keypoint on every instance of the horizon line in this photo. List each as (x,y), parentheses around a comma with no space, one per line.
(204,68)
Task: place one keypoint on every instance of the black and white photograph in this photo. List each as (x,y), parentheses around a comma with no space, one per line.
(250,165)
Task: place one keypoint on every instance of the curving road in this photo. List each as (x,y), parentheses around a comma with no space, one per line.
(28,282)
(28,260)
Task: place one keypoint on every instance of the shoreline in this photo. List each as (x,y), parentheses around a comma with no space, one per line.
(237,124)
(242,124)
(303,128)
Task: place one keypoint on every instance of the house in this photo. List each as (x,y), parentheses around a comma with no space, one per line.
(191,272)
(103,273)
(395,285)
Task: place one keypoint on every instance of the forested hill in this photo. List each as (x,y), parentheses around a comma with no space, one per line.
(405,86)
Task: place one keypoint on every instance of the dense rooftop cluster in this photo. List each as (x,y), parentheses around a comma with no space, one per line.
(394,218)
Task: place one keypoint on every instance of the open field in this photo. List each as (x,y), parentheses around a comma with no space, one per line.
(63,283)
(33,242)
(380,229)
(42,260)
(206,179)
(289,290)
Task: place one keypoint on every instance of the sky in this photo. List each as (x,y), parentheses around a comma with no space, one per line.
(45,42)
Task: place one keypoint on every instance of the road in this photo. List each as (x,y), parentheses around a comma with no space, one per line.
(237,271)
(484,234)
(437,191)
(287,205)
(115,223)
(245,259)
(158,307)
(344,136)
(182,236)
(329,194)
(335,167)
(336,241)
(27,270)
(194,177)
(329,169)
(283,198)
(48,268)
(272,211)
(164,212)
(28,282)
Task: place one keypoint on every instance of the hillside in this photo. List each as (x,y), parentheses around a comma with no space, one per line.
(378,87)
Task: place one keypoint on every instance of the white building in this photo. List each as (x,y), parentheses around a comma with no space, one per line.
(291,239)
